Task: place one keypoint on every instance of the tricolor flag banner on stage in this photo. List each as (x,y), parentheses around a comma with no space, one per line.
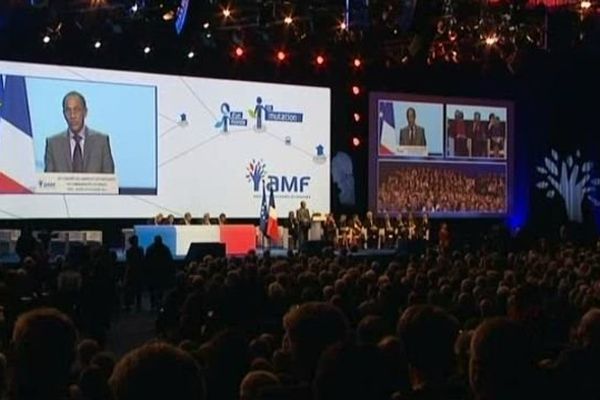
(264,212)
(17,159)
(272,228)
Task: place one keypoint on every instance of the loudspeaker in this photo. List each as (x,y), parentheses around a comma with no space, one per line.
(197,251)
(313,247)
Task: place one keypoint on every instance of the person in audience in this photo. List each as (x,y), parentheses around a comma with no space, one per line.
(389,232)
(206,219)
(43,350)
(159,219)
(372,231)
(348,371)
(170,219)
(357,237)
(429,334)
(159,270)
(502,364)
(578,366)
(187,219)
(134,278)
(330,230)
(222,219)
(344,232)
(255,382)
(157,371)
(310,329)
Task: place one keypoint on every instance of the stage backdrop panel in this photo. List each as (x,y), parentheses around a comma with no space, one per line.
(179,144)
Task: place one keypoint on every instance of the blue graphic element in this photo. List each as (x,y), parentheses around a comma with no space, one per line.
(224,122)
(182,12)
(271,115)
(320,150)
(146,234)
(258,111)
(257,170)
(14,107)
(264,211)
(230,118)
(1,94)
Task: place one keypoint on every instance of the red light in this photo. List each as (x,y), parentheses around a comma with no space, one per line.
(320,60)
(356,117)
(357,63)
(281,55)
(355,141)
(355,90)
(239,51)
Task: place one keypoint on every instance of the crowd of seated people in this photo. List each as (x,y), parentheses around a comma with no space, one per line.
(370,232)
(472,322)
(435,190)
(170,219)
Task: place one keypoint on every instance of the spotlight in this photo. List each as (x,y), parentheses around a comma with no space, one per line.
(491,40)
(169,15)
(356,117)
(147,50)
(343,26)
(97,44)
(355,141)
(357,62)
(239,51)
(281,56)
(320,60)
(206,25)
(355,90)
(226,12)
(191,55)
(46,39)
(288,20)
(586,5)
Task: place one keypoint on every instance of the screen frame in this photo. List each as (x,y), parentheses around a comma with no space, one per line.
(374,157)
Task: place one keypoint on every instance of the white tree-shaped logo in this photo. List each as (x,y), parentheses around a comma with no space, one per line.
(573,182)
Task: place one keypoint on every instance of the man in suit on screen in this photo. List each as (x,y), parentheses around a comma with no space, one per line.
(412,134)
(79,149)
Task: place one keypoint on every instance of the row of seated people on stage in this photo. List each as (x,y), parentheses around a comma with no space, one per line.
(187,219)
(368,233)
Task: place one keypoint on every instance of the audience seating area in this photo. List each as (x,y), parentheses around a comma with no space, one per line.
(491,322)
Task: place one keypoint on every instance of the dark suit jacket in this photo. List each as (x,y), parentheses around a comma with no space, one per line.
(418,139)
(97,157)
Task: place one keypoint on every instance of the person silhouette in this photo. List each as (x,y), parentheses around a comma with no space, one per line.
(258,112)
(224,122)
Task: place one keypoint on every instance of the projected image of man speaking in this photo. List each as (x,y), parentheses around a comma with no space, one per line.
(79,149)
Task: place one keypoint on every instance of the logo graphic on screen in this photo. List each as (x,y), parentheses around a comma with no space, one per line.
(256,172)
(228,117)
(266,112)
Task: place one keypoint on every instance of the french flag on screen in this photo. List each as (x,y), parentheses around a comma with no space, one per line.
(389,137)
(17,159)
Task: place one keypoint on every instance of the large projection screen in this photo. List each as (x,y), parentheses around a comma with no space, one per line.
(447,157)
(158,144)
